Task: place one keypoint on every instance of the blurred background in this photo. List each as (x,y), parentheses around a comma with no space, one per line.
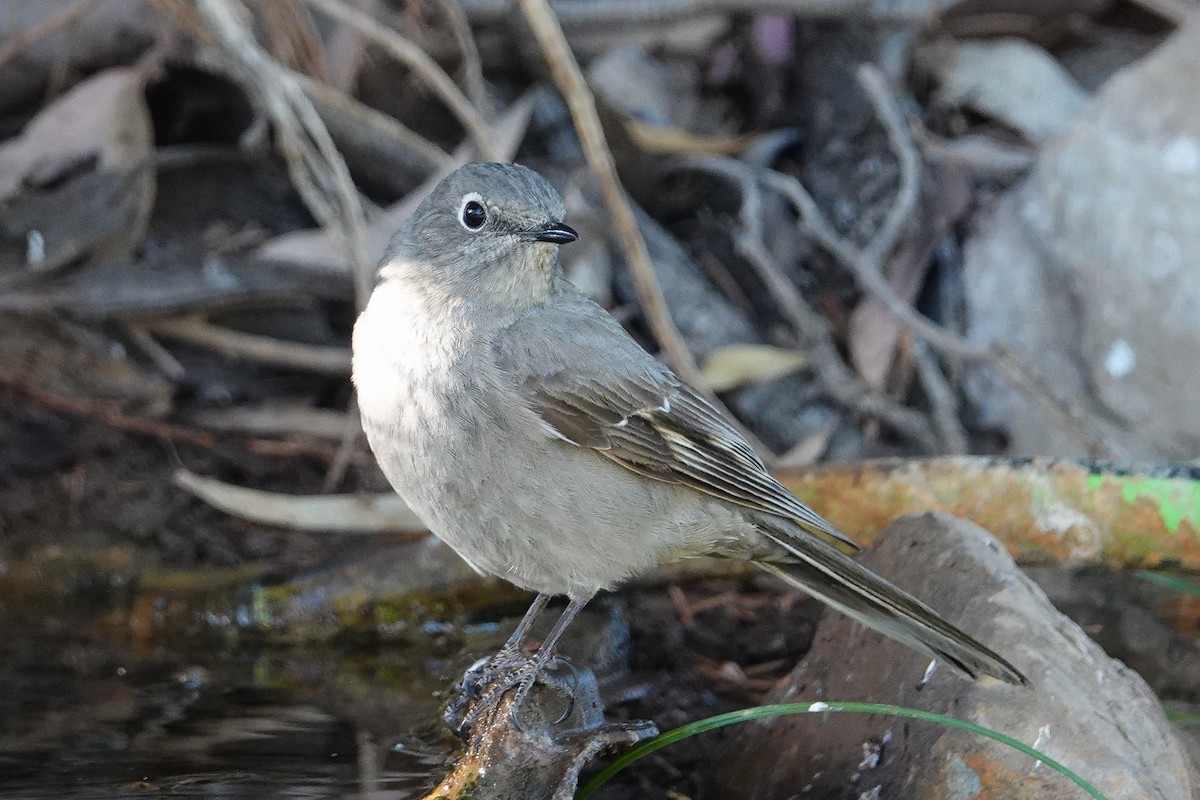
(876,229)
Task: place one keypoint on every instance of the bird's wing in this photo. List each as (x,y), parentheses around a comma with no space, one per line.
(594,387)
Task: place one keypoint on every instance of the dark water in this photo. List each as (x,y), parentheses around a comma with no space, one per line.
(89,710)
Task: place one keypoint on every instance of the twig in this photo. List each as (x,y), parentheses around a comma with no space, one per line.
(48,26)
(582,104)
(348,439)
(846,388)
(272,419)
(867,270)
(420,63)
(627,13)
(314,163)
(941,399)
(108,413)
(905,202)
(460,26)
(162,357)
(249,346)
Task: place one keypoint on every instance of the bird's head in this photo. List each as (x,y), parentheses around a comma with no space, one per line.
(486,232)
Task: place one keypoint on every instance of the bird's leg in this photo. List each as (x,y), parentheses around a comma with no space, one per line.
(508,659)
(545,655)
(524,672)
(512,648)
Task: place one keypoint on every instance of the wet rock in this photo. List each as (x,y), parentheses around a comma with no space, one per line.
(1084,709)
(541,756)
(1084,268)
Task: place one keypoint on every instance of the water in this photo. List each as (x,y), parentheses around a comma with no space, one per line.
(90,709)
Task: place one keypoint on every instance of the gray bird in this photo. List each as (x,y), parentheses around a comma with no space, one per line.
(532,434)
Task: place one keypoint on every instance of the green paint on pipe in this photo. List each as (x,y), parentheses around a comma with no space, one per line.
(1178,499)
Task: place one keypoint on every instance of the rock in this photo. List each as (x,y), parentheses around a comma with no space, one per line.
(1114,608)
(1084,709)
(1085,268)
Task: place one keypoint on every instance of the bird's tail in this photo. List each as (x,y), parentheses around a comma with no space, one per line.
(830,575)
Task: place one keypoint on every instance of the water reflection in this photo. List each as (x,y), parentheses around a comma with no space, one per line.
(90,713)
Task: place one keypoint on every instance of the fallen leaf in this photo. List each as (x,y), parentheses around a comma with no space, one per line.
(1009,80)
(661,140)
(355,513)
(874,332)
(736,365)
(87,157)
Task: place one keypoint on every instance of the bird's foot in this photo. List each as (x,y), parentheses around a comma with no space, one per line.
(486,682)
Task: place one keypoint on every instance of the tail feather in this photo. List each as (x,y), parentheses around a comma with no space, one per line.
(828,574)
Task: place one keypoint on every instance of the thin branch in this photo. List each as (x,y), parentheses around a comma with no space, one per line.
(109,413)
(866,268)
(846,388)
(421,64)
(582,104)
(628,13)
(150,347)
(352,513)
(348,441)
(942,400)
(48,26)
(460,26)
(273,419)
(252,347)
(905,202)
(314,163)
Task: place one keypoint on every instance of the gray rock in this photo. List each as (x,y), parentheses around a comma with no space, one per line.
(1088,268)
(1084,709)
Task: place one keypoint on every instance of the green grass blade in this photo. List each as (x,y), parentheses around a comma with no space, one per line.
(1183,717)
(1170,581)
(761,712)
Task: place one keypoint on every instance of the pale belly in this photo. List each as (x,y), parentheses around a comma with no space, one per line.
(543,515)
(489,479)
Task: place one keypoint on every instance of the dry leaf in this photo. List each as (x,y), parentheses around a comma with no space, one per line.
(355,513)
(1009,80)
(661,140)
(736,365)
(80,175)
(875,331)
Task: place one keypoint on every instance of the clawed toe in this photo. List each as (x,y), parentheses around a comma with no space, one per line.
(486,683)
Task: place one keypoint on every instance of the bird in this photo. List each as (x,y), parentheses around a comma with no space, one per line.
(539,440)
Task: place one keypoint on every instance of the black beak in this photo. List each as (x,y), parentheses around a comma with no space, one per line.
(556,233)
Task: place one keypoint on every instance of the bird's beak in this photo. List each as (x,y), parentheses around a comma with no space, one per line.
(555,233)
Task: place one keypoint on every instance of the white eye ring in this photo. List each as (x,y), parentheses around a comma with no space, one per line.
(469,210)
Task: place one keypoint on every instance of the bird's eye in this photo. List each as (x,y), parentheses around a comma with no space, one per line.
(473,214)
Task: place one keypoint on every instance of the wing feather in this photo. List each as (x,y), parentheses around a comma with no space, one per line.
(666,431)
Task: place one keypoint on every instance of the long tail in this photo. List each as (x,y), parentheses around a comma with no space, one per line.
(828,574)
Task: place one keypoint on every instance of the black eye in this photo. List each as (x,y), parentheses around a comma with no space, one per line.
(474,214)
